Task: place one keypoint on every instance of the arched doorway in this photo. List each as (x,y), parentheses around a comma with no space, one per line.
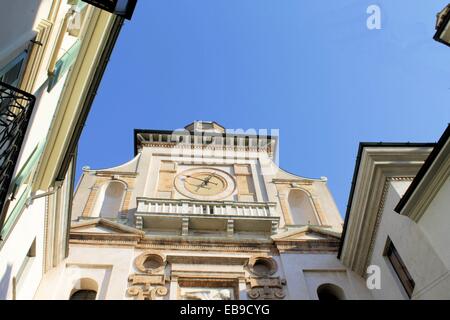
(330,292)
(85,289)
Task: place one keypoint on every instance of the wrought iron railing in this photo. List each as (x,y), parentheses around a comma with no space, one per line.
(16,107)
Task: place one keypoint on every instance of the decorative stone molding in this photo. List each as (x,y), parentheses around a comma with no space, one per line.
(262,266)
(185,227)
(386,186)
(267,149)
(266,288)
(139,222)
(230,228)
(36,55)
(150,284)
(105,178)
(274,227)
(150,262)
(147,287)
(283,196)
(377,164)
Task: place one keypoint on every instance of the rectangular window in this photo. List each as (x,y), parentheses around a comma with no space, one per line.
(13,71)
(399,267)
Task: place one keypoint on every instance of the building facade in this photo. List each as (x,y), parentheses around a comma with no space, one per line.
(198,213)
(202,214)
(52,56)
(398,219)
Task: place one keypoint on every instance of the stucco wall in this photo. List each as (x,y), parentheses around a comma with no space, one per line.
(111,267)
(435,223)
(306,272)
(416,251)
(14,250)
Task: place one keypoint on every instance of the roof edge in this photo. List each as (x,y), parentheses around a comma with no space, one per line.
(362,146)
(423,170)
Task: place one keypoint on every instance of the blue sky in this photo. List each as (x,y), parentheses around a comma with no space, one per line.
(311,69)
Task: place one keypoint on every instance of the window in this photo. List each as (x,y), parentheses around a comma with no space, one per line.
(85,289)
(399,267)
(330,292)
(83,295)
(13,71)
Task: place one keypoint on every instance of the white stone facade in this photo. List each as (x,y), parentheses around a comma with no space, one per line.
(50,50)
(139,235)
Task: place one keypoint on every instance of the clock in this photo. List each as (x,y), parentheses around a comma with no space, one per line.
(205,183)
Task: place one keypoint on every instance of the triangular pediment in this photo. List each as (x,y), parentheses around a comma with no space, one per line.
(102,226)
(307,233)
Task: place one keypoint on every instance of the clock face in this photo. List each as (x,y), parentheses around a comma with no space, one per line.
(205,183)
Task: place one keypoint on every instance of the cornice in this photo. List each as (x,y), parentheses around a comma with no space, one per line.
(429,186)
(330,244)
(308,246)
(108,173)
(267,149)
(378,165)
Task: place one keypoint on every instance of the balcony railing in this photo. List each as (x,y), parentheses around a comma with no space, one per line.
(185,206)
(193,217)
(16,107)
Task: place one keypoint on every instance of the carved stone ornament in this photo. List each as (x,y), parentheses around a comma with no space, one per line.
(150,284)
(147,287)
(266,288)
(150,262)
(262,266)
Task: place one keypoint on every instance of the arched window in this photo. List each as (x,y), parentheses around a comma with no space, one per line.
(85,289)
(300,207)
(110,200)
(83,295)
(330,292)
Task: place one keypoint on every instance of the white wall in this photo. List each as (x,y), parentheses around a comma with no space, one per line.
(416,251)
(435,223)
(306,272)
(20,17)
(30,226)
(108,266)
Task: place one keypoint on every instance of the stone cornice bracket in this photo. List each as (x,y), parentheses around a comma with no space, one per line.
(139,222)
(147,287)
(151,284)
(185,227)
(266,288)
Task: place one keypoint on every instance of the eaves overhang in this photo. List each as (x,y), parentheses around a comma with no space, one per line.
(375,163)
(434,171)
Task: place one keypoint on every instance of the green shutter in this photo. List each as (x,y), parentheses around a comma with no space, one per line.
(64,64)
(15,213)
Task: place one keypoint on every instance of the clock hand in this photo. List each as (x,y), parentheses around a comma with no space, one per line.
(209,178)
(206,181)
(195,178)
(201,186)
